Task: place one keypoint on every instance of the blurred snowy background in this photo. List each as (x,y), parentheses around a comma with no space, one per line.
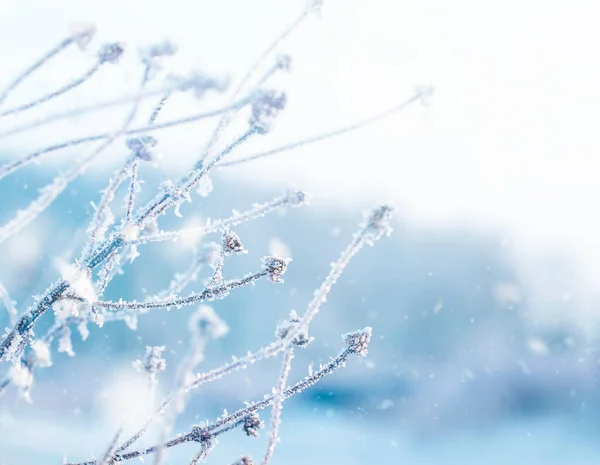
(484,302)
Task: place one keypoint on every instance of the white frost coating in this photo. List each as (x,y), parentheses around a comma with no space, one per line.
(79,280)
(64,343)
(205,186)
(41,350)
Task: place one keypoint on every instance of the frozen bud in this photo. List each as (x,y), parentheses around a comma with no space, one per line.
(265,108)
(289,326)
(377,222)
(424,93)
(82,34)
(41,351)
(111,53)
(142,147)
(152,56)
(275,267)
(153,362)
(358,341)
(284,62)
(245,460)
(252,425)
(232,244)
(204,322)
(316,6)
(199,83)
(296,198)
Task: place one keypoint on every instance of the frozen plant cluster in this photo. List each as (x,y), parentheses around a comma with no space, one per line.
(116,236)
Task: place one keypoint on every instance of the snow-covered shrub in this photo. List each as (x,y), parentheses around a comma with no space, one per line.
(116,236)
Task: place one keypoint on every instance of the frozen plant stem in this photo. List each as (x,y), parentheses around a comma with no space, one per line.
(327,135)
(226,118)
(237,418)
(57,93)
(278,398)
(60,183)
(85,110)
(44,59)
(208,294)
(11,167)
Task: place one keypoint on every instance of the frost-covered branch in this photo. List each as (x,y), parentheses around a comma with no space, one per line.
(226,118)
(11,167)
(80,37)
(295,332)
(60,183)
(278,398)
(238,418)
(292,197)
(211,293)
(418,96)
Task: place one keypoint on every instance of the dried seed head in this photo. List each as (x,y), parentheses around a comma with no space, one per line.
(284,62)
(316,6)
(296,197)
(197,82)
(301,339)
(252,425)
(111,53)
(265,108)
(153,55)
(142,147)
(377,222)
(424,93)
(232,244)
(358,341)
(275,267)
(82,34)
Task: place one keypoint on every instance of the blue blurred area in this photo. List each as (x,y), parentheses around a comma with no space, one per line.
(460,370)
